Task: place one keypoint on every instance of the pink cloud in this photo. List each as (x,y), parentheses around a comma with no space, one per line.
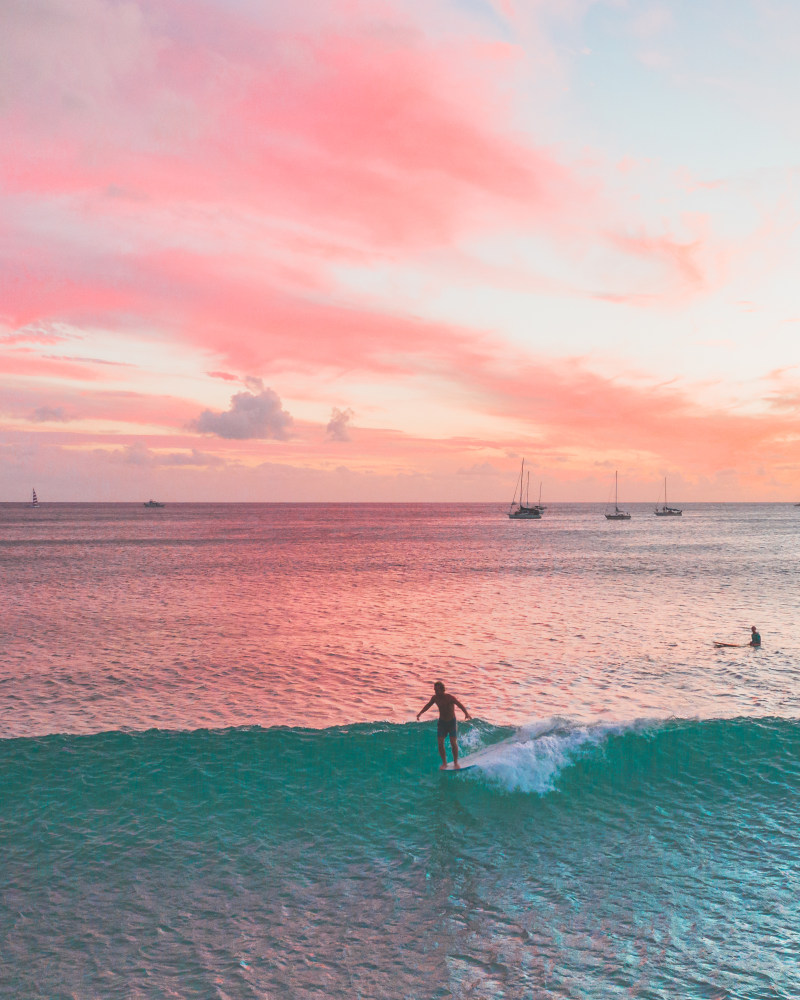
(201,173)
(51,282)
(358,127)
(137,408)
(32,336)
(568,405)
(680,259)
(29,363)
(361,121)
(569,411)
(137,453)
(50,414)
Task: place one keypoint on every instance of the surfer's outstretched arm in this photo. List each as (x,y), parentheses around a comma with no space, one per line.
(466,713)
(423,710)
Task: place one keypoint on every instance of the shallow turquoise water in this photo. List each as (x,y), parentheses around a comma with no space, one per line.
(655,860)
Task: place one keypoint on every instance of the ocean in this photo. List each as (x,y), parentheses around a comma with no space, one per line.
(212,783)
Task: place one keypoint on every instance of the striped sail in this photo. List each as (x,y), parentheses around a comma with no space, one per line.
(34,500)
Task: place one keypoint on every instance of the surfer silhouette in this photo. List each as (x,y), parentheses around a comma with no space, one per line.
(446,703)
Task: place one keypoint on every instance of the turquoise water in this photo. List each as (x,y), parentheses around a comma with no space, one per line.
(652,861)
(212,784)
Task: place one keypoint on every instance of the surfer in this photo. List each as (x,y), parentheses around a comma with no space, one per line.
(446,703)
(755,638)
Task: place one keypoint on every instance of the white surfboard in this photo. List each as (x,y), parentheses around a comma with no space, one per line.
(482,756)
(525,735)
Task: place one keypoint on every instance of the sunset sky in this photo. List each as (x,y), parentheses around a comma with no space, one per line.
(330,250)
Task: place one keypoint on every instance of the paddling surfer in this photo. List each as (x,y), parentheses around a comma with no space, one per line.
(446,703)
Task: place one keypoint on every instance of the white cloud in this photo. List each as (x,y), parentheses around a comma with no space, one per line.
(251,415)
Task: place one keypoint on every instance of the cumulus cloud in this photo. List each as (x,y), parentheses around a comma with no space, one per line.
(337,429)
(252,414)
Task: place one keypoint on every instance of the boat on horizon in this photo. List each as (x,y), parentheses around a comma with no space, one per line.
(153,503)
(519,511)
(34,499)
(539,505)
(667,511)
(618,515)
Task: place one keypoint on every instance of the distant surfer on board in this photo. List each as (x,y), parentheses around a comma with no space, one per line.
(755,640)
(446,703)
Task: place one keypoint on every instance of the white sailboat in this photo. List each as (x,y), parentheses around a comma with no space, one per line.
(618,515)
(34,499)
(666,511)
(519,511)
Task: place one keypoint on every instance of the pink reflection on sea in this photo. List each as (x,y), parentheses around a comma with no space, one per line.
(317,615)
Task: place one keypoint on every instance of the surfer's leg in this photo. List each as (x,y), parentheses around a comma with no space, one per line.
(454,748)
(442,753)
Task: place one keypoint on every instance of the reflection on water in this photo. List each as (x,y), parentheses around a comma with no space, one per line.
(217,615)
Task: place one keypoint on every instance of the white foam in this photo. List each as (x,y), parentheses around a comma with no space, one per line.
(531,759)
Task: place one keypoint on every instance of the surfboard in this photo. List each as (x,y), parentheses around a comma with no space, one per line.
(735,645)
(525,735)
(466,761)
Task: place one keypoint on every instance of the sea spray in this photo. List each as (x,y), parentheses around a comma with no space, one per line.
(531,759)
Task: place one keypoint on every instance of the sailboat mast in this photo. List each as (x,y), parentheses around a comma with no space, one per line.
(518,486)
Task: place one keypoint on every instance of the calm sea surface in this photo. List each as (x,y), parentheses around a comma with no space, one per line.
(212,784)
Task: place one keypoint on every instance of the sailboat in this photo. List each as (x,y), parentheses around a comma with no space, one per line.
(519,511)
(666,511)
(539,506)
(618,515)
(34,499)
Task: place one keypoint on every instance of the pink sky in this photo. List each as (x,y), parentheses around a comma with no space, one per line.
(381,251)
